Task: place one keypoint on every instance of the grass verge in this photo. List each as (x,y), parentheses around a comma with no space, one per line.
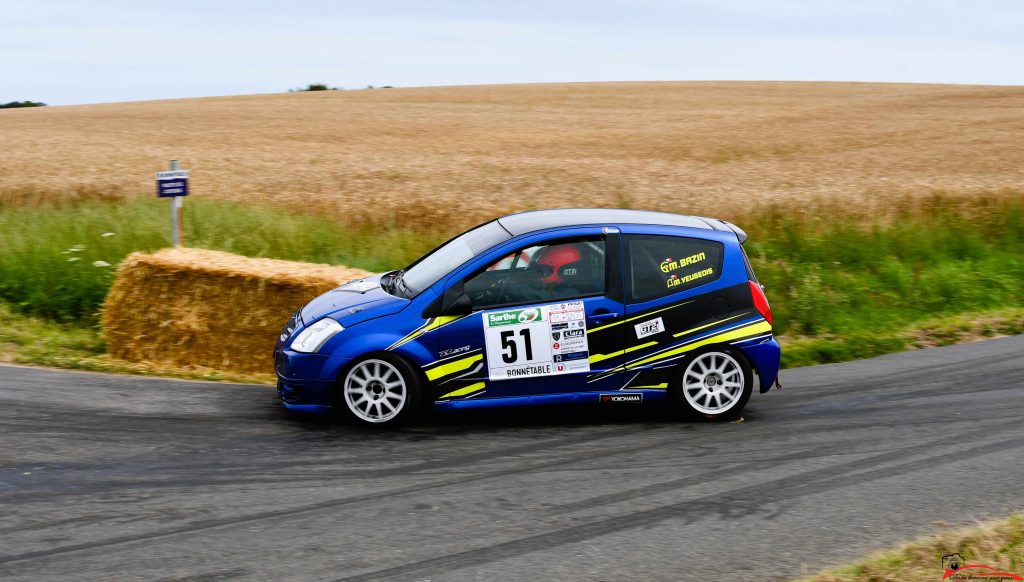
(40,342)
(844,282)
(999,544)
(939,331)
(58,262)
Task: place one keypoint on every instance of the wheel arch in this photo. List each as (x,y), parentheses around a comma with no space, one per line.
(675,386)
(680,366)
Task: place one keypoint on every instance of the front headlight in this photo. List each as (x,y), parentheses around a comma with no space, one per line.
(310,339)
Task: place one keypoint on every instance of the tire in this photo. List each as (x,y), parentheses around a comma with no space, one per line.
(713,383)
(379,391)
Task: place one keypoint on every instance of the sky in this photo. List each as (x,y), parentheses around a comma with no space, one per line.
(69,52)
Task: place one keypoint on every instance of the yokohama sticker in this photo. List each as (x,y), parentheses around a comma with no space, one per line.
(630,398)
(534,341)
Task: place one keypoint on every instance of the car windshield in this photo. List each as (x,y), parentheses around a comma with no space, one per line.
(444,259)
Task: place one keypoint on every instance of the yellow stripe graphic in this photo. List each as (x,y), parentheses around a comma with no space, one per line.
(414,333)
(441,321)
(600,357)
(431,325)
(661,386)
(453,367)
(760,327)
(464,391)
(648,314)
(708,325)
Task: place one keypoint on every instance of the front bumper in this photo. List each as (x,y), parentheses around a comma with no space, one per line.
(305,382)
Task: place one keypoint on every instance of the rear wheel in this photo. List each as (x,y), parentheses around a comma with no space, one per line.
(714,383)
(380,390)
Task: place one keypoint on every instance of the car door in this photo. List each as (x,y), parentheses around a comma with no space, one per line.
(680,295)
(542,323)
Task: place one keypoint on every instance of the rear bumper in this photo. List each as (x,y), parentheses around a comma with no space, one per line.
(765,357)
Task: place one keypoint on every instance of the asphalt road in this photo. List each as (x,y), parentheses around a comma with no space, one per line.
(113,477)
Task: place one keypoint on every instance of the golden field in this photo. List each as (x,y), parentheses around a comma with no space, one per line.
(469,153)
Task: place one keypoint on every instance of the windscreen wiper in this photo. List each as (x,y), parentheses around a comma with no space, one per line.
(400,281)
(387,282)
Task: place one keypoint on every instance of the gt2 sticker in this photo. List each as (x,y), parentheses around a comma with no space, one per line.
(536,341)
(648,328)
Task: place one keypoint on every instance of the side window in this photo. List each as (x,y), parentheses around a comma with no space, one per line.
(549,272)
(662,265)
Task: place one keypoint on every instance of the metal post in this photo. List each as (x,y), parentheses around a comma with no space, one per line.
(175,213)
(179,201)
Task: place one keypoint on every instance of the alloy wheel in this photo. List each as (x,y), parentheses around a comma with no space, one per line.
(713,383)
(375,391)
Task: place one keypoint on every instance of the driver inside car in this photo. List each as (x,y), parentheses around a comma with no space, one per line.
(541,274)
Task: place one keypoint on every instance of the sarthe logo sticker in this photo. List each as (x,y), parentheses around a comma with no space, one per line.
(955,567)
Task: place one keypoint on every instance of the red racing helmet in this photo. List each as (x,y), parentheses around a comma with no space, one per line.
(558,258)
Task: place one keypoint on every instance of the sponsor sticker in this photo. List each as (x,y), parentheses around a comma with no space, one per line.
(649,328)
(517,345)
(514,317)
(567,312)
(452,351)
(669,265)
(675,280)
(631,398)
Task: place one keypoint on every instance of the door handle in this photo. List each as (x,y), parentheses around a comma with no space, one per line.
(599,317)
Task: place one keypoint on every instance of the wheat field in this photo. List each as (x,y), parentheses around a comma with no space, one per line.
(465,153)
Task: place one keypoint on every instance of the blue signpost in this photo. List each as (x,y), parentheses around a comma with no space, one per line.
(173,184)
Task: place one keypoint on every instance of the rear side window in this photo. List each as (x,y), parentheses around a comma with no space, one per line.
(663,265)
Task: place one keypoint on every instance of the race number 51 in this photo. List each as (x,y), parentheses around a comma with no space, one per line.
(517,343)
(510,345)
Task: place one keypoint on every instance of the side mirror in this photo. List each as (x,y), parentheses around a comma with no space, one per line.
(461,305)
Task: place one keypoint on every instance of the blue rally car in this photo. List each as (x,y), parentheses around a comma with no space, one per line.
(612,307)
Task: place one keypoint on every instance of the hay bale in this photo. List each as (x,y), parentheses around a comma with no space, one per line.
(194,307)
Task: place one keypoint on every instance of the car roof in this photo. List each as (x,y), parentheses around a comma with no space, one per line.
(532,221)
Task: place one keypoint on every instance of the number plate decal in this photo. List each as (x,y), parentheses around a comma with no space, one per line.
(536,341)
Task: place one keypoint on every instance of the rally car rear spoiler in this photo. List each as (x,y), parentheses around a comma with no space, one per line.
(726,226)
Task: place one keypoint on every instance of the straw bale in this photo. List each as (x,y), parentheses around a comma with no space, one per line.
(195,307)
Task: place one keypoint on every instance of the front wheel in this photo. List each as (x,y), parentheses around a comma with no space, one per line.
(381,391)
(715,383)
